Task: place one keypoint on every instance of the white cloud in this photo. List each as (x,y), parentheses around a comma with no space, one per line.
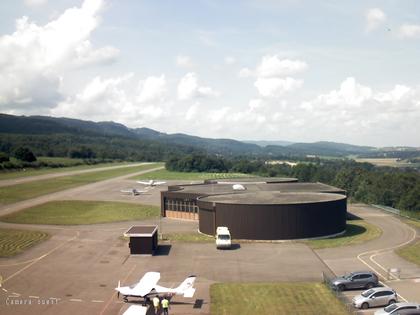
(375,17)
(188,88)
(33,58)
(184,61)
(34,3)
(350,93)
(273,75)
(273,66)
(100,99)
(152,89)
(409,31)
(192,113)
(229,60)
(275,87)
(245,73)
(357,113)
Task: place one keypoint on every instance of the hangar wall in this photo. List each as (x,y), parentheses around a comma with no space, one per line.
(274,222)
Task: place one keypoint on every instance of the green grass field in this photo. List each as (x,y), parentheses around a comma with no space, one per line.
(13,242)
(274,298)
(188,237)
(165,174)
(411,252)
(81,212)
(15,193)
(34,172)
(357,232)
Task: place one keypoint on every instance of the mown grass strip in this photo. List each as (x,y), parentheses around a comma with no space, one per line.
(15,193)
(274,298)
(74,212)
(188,237)
(13,242)
(49,170)
(169,175)
(357,232)
(410,252)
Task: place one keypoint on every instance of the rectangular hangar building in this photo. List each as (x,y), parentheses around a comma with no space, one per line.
(143,239)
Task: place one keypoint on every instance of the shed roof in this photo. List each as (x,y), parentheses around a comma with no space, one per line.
(141,231)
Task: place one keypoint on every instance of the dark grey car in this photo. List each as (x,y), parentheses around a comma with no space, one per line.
(356,280)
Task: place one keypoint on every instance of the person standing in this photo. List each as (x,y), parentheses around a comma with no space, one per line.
(156,304)
(165,305)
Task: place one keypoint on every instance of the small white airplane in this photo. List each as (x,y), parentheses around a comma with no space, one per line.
(133,191)
(151,183)
(148,287)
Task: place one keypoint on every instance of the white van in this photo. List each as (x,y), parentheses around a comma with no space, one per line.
(223,237)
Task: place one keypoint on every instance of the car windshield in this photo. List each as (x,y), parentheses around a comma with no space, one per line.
(224,237)
(390,308)
(347,275)
(368,292)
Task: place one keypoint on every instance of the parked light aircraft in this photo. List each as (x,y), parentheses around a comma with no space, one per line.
(147,287)
(133,191)
(151,183)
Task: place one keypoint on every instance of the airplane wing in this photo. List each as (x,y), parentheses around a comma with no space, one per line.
(144,183)
(136,310)
(159,183)
(146,284)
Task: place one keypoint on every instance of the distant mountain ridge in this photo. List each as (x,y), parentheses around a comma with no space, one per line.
(45,125)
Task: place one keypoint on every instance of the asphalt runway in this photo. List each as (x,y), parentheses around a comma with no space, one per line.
(76,271)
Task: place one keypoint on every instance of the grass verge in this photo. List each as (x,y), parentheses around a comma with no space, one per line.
(357,232)
(81,212)
(188,237)
(15,193)
(12,174)
(13,242)
(169,175)
(410,252)
(274,298)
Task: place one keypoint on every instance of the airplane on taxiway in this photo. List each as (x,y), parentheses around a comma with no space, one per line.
(147,287)
(151,183)
(133,191)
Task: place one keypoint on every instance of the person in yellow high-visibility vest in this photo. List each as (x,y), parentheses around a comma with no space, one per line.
(165,305)
(156,304)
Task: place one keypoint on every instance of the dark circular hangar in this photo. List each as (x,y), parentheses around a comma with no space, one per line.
(270,215)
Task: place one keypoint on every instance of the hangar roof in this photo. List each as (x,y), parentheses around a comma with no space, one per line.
(216,189)
(273,198)
(250,180)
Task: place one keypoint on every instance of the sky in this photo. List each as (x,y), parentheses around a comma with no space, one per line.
(295,70)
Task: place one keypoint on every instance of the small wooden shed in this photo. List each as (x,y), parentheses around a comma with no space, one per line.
(143,239)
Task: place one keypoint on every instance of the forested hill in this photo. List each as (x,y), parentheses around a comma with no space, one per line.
(59,136)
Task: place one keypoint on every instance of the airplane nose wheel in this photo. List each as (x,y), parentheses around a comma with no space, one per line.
(125,299)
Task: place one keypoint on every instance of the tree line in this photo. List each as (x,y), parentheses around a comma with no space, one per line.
(364,182)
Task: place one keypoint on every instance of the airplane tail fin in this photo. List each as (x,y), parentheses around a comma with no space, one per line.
(186,287)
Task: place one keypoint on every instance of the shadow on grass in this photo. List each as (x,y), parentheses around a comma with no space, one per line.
(351,216)
(353,230)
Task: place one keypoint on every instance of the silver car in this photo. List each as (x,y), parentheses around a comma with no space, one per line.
(375,297)
(399,308)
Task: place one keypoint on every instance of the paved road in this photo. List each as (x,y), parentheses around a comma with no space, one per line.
(378,255)
(21,180)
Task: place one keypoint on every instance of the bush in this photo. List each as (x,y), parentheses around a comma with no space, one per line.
(24,154)
(4,157)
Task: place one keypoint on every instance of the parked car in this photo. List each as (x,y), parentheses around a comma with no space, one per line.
(356,280)
(375,297)
(399,308)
